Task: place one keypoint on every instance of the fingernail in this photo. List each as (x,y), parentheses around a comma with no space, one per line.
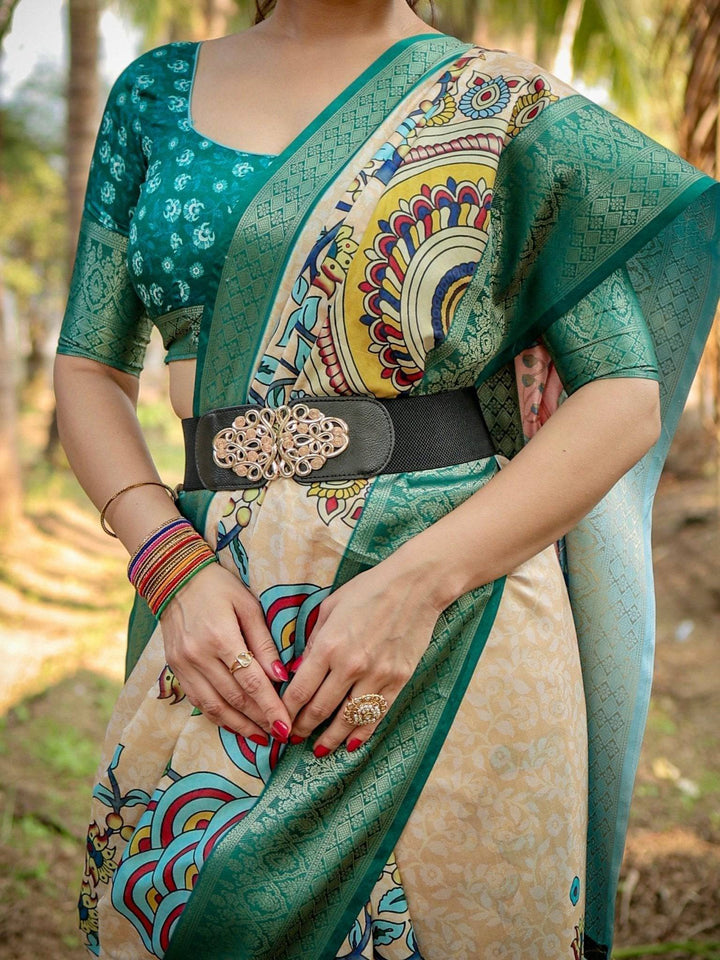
(260,739)
(320,751)
(353,744)
(295,664)
(296,739)
(279,670)
(280,731)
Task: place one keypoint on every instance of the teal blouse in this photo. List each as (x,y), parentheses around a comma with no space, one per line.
(161,207)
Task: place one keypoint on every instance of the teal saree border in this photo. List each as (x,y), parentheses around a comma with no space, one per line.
(271,222)
(140,628)
(649,470)
(576,219)
(691,193)
(478,645)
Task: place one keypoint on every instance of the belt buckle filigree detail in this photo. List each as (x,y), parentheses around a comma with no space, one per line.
(289,441)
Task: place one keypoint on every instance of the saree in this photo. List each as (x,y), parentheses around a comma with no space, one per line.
(455,218)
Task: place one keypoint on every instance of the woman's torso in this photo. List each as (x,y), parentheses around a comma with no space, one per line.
(197,106)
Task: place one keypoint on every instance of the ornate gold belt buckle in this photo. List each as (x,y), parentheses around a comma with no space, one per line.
(287,441)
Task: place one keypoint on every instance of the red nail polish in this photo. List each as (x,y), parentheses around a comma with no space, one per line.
(260,740)
(279,671)
(353,744)
(280,731)
(295,664)
(296,739)
(321,751)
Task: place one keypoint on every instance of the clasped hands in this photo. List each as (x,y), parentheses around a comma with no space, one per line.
(368,639)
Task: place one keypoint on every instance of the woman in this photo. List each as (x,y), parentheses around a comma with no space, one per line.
(354,724)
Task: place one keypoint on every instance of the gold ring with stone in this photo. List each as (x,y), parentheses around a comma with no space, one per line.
(369,708)
(242,660)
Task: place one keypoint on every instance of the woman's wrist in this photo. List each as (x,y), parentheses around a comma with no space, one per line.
(168,558)
(138,512)
(435,578)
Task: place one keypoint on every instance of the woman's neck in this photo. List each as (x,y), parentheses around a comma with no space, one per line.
(316,21)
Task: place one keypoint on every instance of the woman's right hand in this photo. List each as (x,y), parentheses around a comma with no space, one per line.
(211,620)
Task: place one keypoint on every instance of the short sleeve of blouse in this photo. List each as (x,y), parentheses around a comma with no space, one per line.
(105,319)
(603,336)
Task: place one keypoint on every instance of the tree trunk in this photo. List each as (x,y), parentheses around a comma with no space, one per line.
(34,377)
(82,116)
(7,8)
(10,476)
(700,144)
(82,120)
(563,61)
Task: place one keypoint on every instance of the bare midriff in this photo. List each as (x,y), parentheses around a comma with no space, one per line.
(182,383)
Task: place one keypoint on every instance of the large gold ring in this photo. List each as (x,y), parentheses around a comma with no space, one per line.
(369,708)
(243,659)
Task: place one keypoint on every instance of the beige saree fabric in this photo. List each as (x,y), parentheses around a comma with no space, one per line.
(493,848)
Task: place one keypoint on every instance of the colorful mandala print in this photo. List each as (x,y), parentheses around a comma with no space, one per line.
(487,96)
(291,611)
(413,262)
(434,112)
(325,269)
(101,847)
(177,831)
(384,930)
(339,500)
(530,104)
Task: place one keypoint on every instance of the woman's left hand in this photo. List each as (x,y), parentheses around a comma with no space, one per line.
(369,638)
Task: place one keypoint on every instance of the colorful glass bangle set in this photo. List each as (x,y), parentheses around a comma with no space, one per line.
(167,560)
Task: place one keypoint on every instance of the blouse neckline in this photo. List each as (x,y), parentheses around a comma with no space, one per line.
(377,64)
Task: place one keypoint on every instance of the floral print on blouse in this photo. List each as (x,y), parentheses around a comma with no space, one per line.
(174,194)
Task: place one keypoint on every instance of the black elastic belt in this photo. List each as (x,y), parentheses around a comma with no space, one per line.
(399,435)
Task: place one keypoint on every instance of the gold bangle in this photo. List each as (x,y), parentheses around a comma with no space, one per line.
(142,483)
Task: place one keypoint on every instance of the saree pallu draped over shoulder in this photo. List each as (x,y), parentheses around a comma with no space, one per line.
(455,218)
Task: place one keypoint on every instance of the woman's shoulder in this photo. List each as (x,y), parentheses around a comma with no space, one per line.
(514,73)
(169,66)
(152,91)
(498,93)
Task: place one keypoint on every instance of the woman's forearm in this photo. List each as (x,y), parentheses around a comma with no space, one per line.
(101,435)
(568,466)
(213,617)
